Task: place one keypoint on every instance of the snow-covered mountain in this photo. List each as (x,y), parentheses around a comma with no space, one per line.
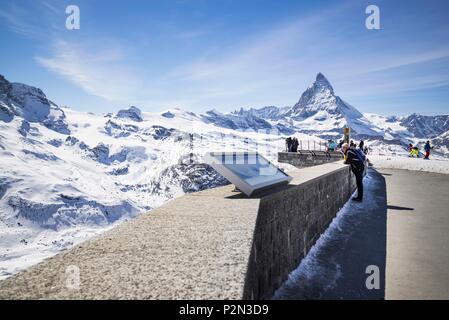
(318,112)
(424,126)
(441,143)
(321,113)
(67,175)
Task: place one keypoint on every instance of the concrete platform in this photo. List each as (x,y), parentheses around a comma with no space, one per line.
(215,244)
(417,235)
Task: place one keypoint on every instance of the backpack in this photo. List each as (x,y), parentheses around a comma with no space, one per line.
(360,155)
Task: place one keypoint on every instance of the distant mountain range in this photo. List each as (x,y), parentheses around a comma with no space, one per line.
(67,175)
(320,112)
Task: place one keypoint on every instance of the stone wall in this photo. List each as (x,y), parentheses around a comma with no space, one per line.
(288,225)
(306,158)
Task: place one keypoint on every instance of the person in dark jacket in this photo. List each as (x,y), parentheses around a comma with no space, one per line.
(294,145)
(361,144)
(288,143)
(352,144)
(357,167)
(427,149)
(340,144)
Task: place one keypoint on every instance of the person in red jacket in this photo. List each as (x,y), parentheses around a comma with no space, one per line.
(427,149)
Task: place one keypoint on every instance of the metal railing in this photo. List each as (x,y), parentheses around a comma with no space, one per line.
(312,145)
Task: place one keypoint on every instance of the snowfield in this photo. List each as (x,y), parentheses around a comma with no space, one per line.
(67,176)
(58,190)
(414,164)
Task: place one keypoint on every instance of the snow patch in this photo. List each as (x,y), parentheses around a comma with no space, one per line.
(414,164)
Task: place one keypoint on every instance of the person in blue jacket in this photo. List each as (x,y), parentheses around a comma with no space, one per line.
(331,145)
(427,149)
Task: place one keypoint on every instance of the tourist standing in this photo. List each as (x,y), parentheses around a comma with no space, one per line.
(427,149)
(357,164)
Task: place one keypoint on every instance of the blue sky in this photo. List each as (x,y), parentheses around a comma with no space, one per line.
(223,54)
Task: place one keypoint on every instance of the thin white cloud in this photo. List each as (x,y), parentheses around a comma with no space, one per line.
(411,59)
(98,72)
(53,7)
(385,85)
(258,66)
(279,64)
(33,20)
(264,52)
(14,20)
(273,67)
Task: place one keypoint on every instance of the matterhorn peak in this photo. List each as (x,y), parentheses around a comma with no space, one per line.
(322,82)
(320,99)
(5,85)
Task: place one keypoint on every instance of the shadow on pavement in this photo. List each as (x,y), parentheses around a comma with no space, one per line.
(399,208)
(335,268)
